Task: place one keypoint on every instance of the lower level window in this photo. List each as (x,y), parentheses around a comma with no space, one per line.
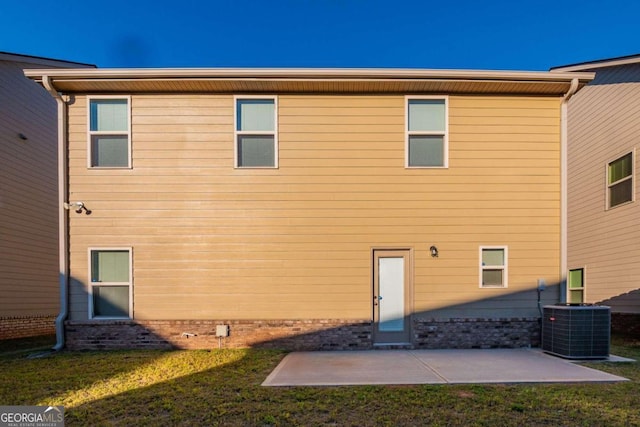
(110,294)
(493,267)
(575,282)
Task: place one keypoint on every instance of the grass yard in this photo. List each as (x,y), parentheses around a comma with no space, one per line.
(222,387)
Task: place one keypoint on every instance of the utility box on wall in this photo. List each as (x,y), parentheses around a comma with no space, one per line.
(579,331)
(222,331)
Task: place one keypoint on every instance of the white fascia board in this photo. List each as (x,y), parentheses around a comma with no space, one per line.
(303,73)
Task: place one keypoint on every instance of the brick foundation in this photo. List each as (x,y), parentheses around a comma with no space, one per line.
(296,334)
(476,333)
(22,327)
(201,334)
(627,324)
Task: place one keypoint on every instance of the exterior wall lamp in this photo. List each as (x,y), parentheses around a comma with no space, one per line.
(434,251)
(78,207)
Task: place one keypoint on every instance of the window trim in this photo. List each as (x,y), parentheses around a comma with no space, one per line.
(630,177)
(504,268)
(237,133)
(444,134)
(98,284)
(583,289)
(90,133)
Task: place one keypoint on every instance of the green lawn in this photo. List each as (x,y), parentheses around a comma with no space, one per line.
(222,387)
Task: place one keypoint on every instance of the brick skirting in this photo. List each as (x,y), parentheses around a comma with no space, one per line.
(324,334)
(476,333)
(22,327)
(201,334)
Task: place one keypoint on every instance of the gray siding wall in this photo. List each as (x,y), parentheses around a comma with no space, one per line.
(28,196)
(604,124)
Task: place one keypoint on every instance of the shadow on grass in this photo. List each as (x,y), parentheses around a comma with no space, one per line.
(222,387)
(26,345)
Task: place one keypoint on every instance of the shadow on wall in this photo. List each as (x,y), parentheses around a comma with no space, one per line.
(625,313)
(493,322)
(626,303)
(629,73)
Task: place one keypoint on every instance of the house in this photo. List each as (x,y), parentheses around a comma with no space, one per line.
(604,214)
(311,208)
(29,288)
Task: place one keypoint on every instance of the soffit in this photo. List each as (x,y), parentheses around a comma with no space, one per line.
(309,81)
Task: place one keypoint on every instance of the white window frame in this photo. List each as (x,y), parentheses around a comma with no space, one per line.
(237,133)
(98,284)
(90,133)
(630,177)
(583,289)
(504,268)
(444,134)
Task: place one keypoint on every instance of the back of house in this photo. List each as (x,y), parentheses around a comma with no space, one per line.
(312,209)
(603,232)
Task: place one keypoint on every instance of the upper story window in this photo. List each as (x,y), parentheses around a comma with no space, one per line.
(256,132)
(620,181)
(493,267)
(109,132)
(427,132)
(111,284)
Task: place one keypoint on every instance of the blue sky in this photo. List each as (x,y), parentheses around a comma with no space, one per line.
(464,34)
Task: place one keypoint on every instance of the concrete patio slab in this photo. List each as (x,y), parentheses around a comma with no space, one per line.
(332,368)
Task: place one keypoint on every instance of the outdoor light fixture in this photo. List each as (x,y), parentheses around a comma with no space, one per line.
(434,251)
(78,207)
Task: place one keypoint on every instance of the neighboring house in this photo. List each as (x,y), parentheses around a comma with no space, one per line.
(311,208)
(604,210)
(29,290)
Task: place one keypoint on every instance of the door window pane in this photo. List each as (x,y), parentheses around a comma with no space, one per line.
(391,282)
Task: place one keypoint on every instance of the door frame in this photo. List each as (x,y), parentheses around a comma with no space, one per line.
(404,337)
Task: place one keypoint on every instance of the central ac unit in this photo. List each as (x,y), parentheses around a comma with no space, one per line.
(577,331)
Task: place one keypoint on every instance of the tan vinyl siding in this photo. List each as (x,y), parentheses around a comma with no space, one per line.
(28,196)
(211,241)
(603,126)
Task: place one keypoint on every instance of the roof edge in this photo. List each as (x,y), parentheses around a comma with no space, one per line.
(598,63)
(301,73)
(40,60)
